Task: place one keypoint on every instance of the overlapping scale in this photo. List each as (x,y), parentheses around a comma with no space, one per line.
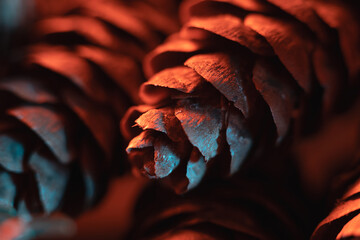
(63,92)
(283,59)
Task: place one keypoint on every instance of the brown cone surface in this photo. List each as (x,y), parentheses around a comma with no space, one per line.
(63,92)
(238,73)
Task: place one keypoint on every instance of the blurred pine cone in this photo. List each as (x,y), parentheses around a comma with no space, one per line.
(241,77)
(62,98)
(14,19)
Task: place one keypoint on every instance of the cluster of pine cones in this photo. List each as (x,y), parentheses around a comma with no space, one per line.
(244,113)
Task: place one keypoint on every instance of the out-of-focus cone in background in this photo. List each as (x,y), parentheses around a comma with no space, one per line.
(63,91)
(15,15)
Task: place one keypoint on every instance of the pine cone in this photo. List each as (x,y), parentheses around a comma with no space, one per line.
(62,98)
(240,77)
(15,17)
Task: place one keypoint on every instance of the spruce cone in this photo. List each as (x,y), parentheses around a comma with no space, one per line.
(62,98)
(240,77)
(14,18)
